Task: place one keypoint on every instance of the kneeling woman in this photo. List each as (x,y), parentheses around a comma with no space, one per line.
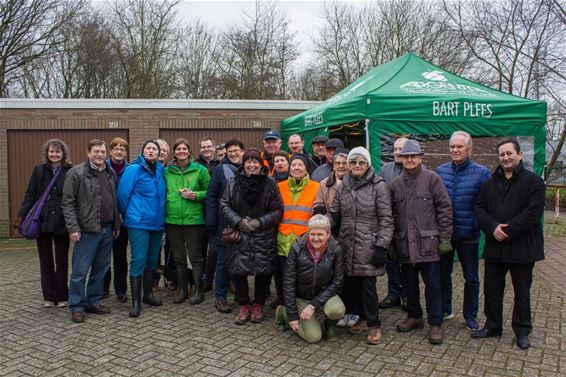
(313,279)
(252,204)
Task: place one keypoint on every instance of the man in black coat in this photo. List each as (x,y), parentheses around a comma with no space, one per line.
(509,210)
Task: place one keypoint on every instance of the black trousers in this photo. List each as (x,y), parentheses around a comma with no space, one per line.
(53,266)
(361,298)
(494,290)
(120,264)
(261,285)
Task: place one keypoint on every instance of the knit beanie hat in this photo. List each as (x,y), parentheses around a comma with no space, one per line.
(359,152)
(151,142)
(300,156)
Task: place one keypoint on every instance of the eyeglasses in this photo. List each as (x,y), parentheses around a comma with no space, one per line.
(358,163)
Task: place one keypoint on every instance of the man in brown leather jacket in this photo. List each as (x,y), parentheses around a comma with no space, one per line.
(423,228)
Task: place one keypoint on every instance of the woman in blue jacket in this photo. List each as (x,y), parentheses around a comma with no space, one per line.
(141,200)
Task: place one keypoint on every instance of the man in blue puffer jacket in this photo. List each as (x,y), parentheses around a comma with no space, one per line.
(463,179)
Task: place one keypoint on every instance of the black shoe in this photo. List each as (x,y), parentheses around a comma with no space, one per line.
(389,302)
(122,297)
(486,333)
(523,342)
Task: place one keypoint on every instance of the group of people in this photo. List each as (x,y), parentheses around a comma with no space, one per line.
(323,227)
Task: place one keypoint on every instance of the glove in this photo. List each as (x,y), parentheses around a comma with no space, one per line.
(255,224)
(391,253)
(379,257)
(16,223)
(244,226)
(319,210)
(444,247)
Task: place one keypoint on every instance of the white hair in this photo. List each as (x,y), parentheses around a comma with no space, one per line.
(467,138)
(319,222)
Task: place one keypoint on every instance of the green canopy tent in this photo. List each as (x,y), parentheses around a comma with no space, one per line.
(411,96)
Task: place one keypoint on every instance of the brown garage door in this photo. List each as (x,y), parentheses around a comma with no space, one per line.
(24,152)
(250,137)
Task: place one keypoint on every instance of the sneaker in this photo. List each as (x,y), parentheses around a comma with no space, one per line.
(472,325)
(352,320)
(257,313)
(243,315)
(48,304)
(448,316)
(344,321)
(62,304)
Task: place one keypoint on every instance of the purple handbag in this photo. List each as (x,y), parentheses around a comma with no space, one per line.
(30,226)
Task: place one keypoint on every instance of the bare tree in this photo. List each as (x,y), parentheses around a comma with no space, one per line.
(29,30)
(257,56)
(198,67)
(145,37)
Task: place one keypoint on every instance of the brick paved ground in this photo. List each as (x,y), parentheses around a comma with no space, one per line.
(189,340)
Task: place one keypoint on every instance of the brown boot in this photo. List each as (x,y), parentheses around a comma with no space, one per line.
(359,327)
(374,336)
(410,324)
(435,335)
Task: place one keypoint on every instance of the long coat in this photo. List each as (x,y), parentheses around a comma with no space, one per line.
(51,218)
(519,203)
(362,209)
(423,215)
(255,253)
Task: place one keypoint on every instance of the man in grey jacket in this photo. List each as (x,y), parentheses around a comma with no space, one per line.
(423,228)
(91,216)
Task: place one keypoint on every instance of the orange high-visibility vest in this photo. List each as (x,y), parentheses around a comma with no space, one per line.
(296,215)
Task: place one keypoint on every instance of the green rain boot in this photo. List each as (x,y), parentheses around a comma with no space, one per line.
(330,327)
(281,319)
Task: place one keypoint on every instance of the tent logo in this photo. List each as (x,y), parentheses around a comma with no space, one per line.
(434,76)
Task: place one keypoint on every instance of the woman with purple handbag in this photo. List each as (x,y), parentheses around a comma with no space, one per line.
(50,175)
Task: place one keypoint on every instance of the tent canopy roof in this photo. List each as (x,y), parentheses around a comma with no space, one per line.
(412,89)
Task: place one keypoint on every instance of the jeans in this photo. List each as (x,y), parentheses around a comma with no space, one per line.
(396,287)
(144,249)
(430,272)
(468,256)
(92,253)
(221,277)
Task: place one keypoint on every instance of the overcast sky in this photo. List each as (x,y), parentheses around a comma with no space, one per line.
(304,15)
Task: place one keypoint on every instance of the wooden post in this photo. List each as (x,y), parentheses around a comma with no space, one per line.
(557,210)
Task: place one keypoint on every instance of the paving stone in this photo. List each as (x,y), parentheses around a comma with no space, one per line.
(196,340)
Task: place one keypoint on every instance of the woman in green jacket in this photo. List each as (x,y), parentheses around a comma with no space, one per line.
(187,183)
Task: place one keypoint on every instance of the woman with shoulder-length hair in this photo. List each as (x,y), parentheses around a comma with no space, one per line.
(252,204)
(187,182)
(53,231)
(141,200)
(313,280)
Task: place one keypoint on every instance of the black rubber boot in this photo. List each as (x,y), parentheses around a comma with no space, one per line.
(198,295)
(279,290)
(148,289)
(136,287)
(182,285)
